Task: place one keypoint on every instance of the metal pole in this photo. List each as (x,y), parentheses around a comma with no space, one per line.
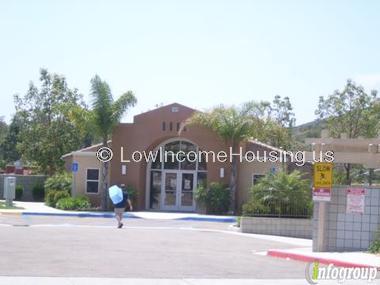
(321,226)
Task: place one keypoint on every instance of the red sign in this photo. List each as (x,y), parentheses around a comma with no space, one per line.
(355,200)
(322,194)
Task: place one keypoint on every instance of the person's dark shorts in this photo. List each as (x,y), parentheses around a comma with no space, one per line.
(119,211)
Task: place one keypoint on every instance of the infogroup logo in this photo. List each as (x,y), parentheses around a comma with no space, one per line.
(314,273)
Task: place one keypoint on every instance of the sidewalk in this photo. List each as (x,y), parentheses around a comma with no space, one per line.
(140,281)
(342,259)
(40,209)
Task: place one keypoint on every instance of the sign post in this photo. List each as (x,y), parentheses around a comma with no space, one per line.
(74,169)
(322,184)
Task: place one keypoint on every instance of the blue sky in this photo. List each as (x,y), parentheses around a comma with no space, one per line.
(198,53)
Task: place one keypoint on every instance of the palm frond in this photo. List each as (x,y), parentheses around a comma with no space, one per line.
(121,105)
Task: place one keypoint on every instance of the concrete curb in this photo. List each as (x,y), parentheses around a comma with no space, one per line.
(11,213)
(127,215)
(308,258)
(79,215)
(208,219)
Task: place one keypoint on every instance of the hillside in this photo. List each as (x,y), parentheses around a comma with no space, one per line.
(309,130)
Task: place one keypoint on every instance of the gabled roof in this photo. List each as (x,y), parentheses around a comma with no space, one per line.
(91,148)
(255,141)
(164,107)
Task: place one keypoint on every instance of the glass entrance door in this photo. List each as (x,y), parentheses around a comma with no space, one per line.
(170,187)
(178,190)
(187,191)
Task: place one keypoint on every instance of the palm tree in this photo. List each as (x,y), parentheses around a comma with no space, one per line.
(233,125)
(107,114)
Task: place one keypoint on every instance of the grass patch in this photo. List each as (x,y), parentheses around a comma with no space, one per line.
(3,206)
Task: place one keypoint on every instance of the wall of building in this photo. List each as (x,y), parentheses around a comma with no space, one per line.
(146,133)
(26,181)
(346,231)
(85,162)
(299,228)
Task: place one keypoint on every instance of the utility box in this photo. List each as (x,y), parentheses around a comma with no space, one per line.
(9,189)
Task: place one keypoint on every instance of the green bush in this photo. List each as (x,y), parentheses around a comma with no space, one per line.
(82,203)
(216,199)
(59,182)
(132,194)
(74,203)
(375,245)
(3,164)
(38,192)
(53,196)
(200,196)
(280,194)
(238,221)
(19,192)
(66,203)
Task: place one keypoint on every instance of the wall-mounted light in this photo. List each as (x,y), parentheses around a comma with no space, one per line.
(221,172)
(123,169)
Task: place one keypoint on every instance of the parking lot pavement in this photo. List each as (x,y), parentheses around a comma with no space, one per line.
(140,281)
(86,247)
(22,220)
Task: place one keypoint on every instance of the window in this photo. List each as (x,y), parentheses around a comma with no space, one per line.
(171,126)
(256,178)
(163,126)
(92,181)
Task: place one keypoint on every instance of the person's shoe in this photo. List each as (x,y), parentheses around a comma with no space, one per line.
(120,226)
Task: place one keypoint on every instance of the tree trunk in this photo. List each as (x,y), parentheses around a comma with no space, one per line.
(233,180)
(347,167)
(370,176)
(105,166)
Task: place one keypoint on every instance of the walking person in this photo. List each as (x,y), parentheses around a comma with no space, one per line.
(120,207)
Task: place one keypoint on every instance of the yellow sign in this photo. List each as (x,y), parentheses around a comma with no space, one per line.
(323,174)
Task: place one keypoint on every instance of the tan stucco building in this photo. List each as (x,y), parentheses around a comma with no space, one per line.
(167,186)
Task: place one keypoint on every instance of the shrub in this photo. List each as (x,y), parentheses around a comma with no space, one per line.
(53,196)
(280,194)
(59,182)
(3,164)
(82,203)
(74,203)
(19,192)
(132,193)
(375,245)
(216,199)
(38,192)
(200,196)
(66,203)
(238,221)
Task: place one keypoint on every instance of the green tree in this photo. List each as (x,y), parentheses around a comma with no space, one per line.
(351,111)
(3,134)
(280,110)
(9,144)
(82,119)
(3,129)
(47,133)
(106,115)
(233,125)
(277,119)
